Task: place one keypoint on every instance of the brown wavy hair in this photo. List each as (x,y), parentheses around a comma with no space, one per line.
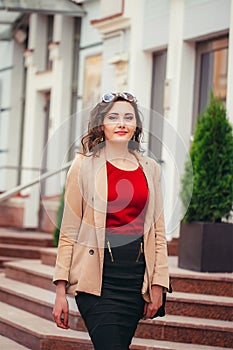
(94,140)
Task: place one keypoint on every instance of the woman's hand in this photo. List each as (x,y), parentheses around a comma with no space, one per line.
(150,309)
(61,307)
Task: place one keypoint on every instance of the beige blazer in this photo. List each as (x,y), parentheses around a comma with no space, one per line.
(81,244)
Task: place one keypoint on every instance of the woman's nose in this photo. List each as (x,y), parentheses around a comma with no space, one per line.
(121,121)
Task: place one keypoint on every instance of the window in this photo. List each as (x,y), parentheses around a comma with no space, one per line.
(211,73)
(49,40)
(157,102)
(91,86)
(92,80)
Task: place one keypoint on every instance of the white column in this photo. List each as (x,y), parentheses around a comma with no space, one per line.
(58,143)
(229,102)
(140,62)
(178,114)
(32,145)
(12,133)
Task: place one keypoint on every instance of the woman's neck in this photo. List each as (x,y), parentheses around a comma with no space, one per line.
(116,150)
(119,154)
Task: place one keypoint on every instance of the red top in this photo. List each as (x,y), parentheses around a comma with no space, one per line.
(127,199)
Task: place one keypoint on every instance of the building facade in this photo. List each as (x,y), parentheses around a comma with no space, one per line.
(169,53)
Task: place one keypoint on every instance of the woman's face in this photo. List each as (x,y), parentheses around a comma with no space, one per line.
(119,123)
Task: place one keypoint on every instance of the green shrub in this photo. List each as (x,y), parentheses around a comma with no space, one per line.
(211,155)
(56,232)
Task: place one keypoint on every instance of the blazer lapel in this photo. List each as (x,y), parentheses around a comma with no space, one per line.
(100,194)
(150,206)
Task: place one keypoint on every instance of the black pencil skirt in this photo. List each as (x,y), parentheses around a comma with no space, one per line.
(112,318)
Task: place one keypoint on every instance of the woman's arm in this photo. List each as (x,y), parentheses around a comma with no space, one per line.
(160,275)
(70,222)
(151,308)
(68,233)
(61,307)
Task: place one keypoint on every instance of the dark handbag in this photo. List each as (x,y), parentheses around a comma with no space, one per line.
(161,311)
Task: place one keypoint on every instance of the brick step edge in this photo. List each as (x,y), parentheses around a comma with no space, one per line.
(31,272)
(8,344)
(40,301)
(5,259)
(32,239)
(148,344)
(48,256)
(42,306)
(220,286)
(36,333)
(20,251)
(200,306)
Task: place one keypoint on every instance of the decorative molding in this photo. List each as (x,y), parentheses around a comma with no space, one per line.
(28,57)
(111,24)
(54,50)
(119,57)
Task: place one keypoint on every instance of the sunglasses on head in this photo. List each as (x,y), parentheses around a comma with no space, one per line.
(113,96)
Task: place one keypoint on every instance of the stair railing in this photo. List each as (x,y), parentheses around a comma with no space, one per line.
(10,193)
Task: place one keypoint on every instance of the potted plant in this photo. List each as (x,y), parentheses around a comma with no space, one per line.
(206,235)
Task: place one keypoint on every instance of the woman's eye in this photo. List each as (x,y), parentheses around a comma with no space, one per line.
(112,117)
(129,117)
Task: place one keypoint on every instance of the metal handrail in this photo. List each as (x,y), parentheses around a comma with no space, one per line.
(15,167)
(17,189)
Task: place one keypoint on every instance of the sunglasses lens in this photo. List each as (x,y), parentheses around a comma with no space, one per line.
(112,96)
(108,98)
(129,97)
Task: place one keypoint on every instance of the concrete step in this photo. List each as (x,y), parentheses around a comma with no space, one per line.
(200,305)
(40,275)
(8,344)
(173,247)
(149,344)
(36,333)
(31,238)
(4,259)
(182,280)
(185,329)
(19,251)
(48,256)
(36,300)
(32,272)
(32,299)
(188,281)
(202,331)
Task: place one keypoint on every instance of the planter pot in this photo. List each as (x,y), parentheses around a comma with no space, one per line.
(206,247)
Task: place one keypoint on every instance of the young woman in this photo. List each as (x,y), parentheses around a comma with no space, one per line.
(112,253)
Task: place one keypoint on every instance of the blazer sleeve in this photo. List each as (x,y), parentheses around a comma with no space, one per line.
(161,274)
(71,220)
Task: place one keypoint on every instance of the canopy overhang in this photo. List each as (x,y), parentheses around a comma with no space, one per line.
(12,10)
(64,7)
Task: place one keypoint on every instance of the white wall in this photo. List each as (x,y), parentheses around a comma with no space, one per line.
(109,8)
(229,104)
(150,26)
(90,35)
(15,117)
(205,17)
(58,82)
(11,79)
(91,44)
(6,67)
(155,24)
(177,24)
